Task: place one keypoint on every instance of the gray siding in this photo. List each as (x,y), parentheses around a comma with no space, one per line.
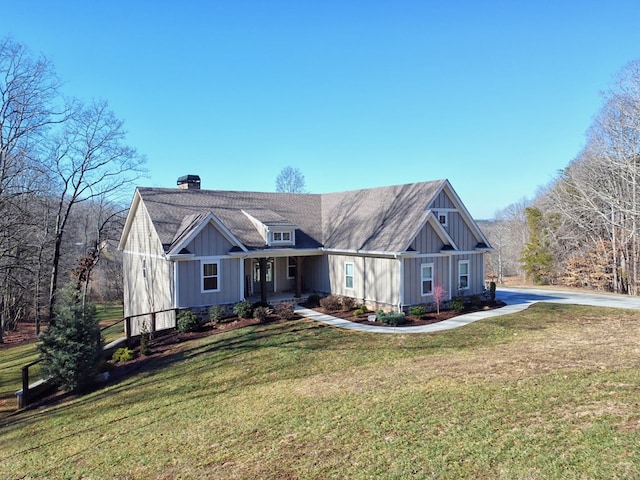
(427,241)
(476,274)
(283,284)
(315,274)
(148,286)
(190,281)
(461,233)
(374,279)
(442,201)
(413,281)
(209,242)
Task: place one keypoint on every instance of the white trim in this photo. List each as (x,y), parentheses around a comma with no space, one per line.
(401,284)
(422,279)
(353,276)
(289,266)
(218,275)
(468,274)
(143,254)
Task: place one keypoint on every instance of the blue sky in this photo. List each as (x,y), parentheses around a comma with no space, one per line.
(496,96)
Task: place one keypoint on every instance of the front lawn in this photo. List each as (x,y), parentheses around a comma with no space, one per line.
(551,392)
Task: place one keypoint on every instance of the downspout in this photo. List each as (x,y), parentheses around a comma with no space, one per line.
(241,278)
(401,289)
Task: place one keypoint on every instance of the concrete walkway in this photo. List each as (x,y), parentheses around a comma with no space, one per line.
(517,299)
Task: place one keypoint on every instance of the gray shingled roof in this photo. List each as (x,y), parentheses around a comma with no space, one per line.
(375,219)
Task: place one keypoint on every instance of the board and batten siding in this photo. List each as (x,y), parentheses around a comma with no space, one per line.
(375,279)
(413,279)
(209,242)
(441,201)
(190,282)
(460,232)
(148,287)
(427,241)
(476,273)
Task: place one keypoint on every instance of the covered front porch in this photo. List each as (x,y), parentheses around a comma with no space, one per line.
(277,276)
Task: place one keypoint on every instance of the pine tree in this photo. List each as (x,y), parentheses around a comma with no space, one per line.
(537,259)
(71,347)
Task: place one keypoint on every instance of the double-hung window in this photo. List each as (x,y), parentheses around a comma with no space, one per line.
(426,278)
(210,276)
(463,274)
(291,267)
(348,275)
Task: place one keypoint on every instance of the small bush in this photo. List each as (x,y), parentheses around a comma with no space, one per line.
(391,318)
(122,354)
(187,321)
(361,310)
(457,304)
(492,292)
(285,311)
(261,313)
(331,303)
(145,337)
(417,311)
(313,301)
(243,309)
(216,313)
(348,303)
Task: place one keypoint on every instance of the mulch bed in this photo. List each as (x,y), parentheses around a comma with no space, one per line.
(410,321)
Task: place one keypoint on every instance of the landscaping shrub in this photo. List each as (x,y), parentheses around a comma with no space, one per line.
(417,311)
(145,337)
(391,318)
(331,303)
(243,309)
(492,292)
(313,301)
(457,303)
(348,303)
(187,321)
(122,354)
(71,347)
(216,313)
(285,311)
(361,310)
(261,313)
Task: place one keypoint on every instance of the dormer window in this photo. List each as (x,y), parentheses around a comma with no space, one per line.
(284,237)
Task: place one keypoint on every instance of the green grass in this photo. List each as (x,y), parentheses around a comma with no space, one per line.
(549,393)
(14,358)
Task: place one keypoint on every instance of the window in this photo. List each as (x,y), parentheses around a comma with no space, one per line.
(144,268)
(463,274)
(291,267)
(443,218)
(210,277)
(426,278)
(281,237)
(348,275)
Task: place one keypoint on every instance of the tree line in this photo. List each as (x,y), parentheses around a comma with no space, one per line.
(582,229)
(64,168)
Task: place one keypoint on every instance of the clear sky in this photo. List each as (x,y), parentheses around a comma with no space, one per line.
(494,95)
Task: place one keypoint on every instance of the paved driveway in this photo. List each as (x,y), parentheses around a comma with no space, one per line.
(517,299)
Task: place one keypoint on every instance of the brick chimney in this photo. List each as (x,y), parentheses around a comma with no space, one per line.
(189,182)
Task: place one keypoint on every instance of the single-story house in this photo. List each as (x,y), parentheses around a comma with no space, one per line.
(391,247)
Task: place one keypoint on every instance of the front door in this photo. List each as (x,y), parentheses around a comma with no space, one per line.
(256,276)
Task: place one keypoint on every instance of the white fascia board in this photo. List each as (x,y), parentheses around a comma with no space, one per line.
(211,218)
(277,252)
(129,221)
(466,216)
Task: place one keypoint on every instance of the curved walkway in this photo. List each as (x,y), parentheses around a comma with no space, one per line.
(517,299)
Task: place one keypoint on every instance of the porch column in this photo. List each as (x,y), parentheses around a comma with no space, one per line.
(299,276)
(263,279)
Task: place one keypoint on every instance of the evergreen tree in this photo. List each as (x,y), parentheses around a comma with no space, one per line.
(537,259)
(71,347)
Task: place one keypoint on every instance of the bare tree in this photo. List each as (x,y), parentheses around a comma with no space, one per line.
(290,180)
(90,161)
(28,108)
